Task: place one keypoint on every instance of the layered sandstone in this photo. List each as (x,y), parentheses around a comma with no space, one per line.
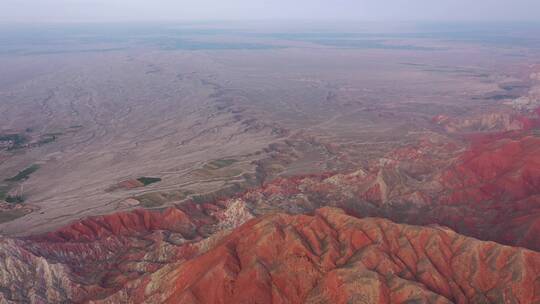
(327,257)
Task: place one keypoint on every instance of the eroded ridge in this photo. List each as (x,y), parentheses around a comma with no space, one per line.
(334,258)
(327,257)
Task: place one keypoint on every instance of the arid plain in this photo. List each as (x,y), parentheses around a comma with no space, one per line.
(212,128)
(122,114)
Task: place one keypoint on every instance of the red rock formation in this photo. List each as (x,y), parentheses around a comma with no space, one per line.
(334,258)
(328,257)
(491,191)
(185,254)
(97,256)
(512,165)
(123,224)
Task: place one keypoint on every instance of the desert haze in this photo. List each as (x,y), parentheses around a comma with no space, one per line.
(251,162)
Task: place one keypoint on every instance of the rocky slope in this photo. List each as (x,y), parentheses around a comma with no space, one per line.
(97,256)
(490,191)
(327,257)
(274,243)
(334,258)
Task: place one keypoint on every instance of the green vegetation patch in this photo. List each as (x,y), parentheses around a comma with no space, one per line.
(148,180)
(220,163)
(15,199)
(49,138)
(151,200)
(250,180)
(157,199)
(53,134)
(46,140)
(17,139)
(4,190)
(24,174)
(10,215)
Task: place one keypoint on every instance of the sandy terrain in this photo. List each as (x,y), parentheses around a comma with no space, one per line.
(124,114)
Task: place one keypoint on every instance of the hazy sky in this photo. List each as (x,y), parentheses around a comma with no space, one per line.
(359,10)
